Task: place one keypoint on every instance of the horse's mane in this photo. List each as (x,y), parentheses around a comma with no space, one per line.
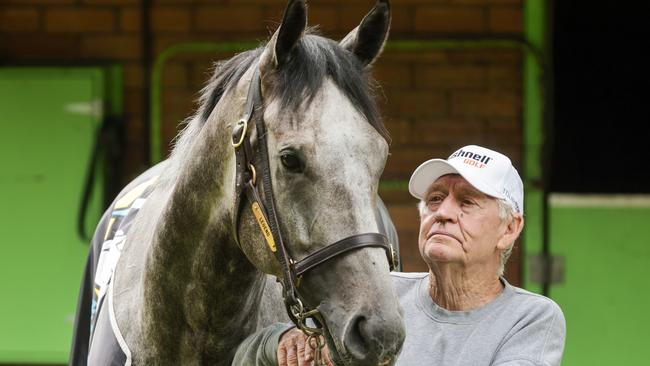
(299,81)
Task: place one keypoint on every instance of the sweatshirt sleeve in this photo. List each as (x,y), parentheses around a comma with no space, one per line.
(538,341)
(261,348)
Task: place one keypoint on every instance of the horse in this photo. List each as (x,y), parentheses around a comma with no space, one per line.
(184,267)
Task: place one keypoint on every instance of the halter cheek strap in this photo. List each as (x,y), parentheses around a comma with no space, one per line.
(253,168)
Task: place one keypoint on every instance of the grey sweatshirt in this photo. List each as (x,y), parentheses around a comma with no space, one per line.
(516,328)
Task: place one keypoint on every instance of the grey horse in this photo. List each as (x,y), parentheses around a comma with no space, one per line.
(169,283)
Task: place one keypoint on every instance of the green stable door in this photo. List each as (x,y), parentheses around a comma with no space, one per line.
(605,243)
(49,119)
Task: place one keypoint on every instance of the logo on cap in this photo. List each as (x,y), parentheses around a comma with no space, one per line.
(471,158)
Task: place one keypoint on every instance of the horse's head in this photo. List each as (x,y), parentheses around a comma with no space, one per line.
(326,150)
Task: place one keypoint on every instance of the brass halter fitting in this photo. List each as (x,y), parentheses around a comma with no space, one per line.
(244,124)
(301,316)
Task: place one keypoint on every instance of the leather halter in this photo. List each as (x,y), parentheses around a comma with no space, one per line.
(252,167)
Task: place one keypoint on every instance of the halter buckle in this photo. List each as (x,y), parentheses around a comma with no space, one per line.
(243,124)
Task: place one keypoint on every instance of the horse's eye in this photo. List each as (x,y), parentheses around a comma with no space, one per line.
(291,162)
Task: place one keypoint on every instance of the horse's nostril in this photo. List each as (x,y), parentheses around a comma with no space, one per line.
(356,340)
(373,341)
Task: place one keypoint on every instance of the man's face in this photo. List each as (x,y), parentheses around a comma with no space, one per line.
(461,225)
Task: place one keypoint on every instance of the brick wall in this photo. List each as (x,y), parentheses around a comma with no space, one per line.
(433,101)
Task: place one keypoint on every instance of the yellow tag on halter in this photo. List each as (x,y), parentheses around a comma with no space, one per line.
(264,226)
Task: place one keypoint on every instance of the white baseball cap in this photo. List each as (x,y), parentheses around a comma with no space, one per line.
(488,171)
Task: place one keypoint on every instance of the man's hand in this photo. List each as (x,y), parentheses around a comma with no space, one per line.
(294,350)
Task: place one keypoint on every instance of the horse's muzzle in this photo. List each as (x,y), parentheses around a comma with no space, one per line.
(368,340)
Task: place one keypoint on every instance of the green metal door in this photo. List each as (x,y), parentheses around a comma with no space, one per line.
(49,118)
(605,243)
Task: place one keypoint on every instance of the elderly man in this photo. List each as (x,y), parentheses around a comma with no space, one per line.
(462,312)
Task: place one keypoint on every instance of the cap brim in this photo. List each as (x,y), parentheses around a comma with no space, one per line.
(429,171)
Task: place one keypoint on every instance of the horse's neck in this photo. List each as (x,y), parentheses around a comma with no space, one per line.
(197,282)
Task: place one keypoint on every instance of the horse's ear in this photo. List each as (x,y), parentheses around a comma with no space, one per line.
(367,40)
(294,22)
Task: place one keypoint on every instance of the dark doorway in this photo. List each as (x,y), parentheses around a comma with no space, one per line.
(601,138)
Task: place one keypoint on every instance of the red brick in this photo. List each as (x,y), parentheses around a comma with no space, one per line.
(111,47)
(488,105)
(130,20)
(18,20)
(264,2)
(111,2)
(415,104)
(430,56)
(136,161)
(399,129)
(398,3)
(449,20)
(504,56)
(393,76)
(166,40)
(513,267)
(505,131)
(272,16)
(486,2)
(49,47)
(192,2)
(133,75)
(325,17)
(450,77)
(79,20)
(504,78)
(133,102)
(171,127)
(395,196)
(447,131)
(170,19)
(179,101)
(37,2)
(410,257)
(175,75)
(351,17)
(200,72)
(229,19)
(401,24)
(505,20)
(403,161)
(406,216)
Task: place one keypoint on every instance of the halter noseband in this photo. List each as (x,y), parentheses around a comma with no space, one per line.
(252,167)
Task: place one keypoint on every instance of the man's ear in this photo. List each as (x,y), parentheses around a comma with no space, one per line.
(512,231)
(368,39)
(278,49)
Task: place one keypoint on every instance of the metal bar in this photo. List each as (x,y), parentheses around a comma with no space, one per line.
(536,149)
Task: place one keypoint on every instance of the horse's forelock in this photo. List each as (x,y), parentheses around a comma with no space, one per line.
(313,59)
(299,80)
